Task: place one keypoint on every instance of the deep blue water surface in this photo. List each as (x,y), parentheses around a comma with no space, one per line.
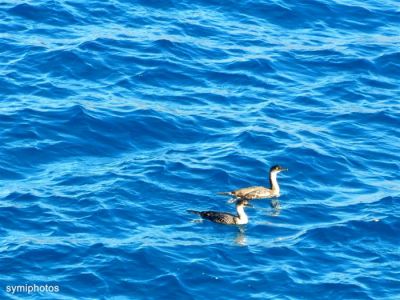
(118,116)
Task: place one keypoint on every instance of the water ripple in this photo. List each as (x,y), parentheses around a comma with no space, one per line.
(116,117)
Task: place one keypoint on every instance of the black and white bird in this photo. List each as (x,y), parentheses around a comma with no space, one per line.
(226,218)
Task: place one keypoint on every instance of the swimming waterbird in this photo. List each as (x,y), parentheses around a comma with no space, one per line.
(259,192)
(226,218)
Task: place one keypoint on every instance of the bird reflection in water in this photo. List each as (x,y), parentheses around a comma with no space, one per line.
(240,238)
(276,207)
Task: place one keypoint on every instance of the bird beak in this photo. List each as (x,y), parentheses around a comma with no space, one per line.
(249,205)
(284,169)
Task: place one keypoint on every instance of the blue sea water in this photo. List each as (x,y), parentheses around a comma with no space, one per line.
(118,116)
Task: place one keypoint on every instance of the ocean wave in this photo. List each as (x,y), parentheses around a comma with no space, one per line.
(116,118)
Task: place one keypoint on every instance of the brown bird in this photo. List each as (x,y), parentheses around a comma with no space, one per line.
(259,192)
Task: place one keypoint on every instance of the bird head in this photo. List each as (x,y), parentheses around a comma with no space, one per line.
(277,169)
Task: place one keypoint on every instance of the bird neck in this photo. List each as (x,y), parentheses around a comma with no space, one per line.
(274,181)
(241,214)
